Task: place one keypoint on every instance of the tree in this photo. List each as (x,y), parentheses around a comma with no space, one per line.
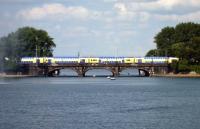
(165,38)
(195,46)
(23,43)
(31,38)
(185,31)
(181,41)
(178,49)
(153,52)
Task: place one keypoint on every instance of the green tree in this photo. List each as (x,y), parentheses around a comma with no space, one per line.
(178,49)
(182,41)
(165,38)
(153,52)
(195,46)
(30,38)
(23,43)
(185,31)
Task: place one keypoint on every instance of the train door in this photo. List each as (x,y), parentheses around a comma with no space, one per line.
(37,61)
(139,61)
(82,61)
(49,61)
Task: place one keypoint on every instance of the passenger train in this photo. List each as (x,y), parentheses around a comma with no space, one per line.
(98,60)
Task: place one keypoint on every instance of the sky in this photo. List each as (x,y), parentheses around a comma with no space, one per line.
(98,27)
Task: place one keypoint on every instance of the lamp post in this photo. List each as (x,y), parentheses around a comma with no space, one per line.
(45,64)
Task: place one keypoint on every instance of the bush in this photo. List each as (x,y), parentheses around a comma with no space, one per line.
(195,68)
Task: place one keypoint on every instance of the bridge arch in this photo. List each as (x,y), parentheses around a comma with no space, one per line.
(128,71)
(81,71)
(68,72)
(145,71)
(107,69)
(54,72)
(57,71)
(141,71)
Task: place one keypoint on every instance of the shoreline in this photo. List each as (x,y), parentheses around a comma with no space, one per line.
(3,75)
(178,75)
(15,76)
(155,75)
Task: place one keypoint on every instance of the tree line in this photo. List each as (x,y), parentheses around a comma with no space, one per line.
(182,41)
(23,43)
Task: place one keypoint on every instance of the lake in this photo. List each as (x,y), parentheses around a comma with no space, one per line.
(99,103)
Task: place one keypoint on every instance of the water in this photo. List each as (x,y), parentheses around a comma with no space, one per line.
(100,103)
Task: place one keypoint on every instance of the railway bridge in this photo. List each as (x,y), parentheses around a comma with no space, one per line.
(81,69)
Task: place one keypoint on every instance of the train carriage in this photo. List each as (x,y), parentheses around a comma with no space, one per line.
(172,59)
(93,60)
(139,60)
(66,60)
(97,60)
(27,60)
(130,60)
(111,60)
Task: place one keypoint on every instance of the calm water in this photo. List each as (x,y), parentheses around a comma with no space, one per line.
(99,103)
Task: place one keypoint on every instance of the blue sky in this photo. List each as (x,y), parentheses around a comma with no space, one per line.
(98,27)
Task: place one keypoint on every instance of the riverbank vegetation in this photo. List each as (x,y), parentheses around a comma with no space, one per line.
(182,41)
(25,42)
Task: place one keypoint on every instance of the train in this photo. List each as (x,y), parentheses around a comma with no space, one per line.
(98,60)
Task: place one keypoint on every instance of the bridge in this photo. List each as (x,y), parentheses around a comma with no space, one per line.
(81,69)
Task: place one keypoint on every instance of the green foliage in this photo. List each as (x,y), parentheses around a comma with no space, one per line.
(185,31)
(182,41)
(165,38)
(178,49)
(195,68)
(183,66)
(22,43)
(30,38)
(174,66)
(152,52)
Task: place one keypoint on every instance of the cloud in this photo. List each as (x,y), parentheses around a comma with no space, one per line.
(170,10)
(158,5)
(104,34)
(121,8)
(194,16)
(54,10)
(77,32)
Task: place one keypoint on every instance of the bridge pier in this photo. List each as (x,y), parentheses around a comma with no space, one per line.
(139,72)
(81,71)
(81,74)
(36,70)
(152,71)
(115,71)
